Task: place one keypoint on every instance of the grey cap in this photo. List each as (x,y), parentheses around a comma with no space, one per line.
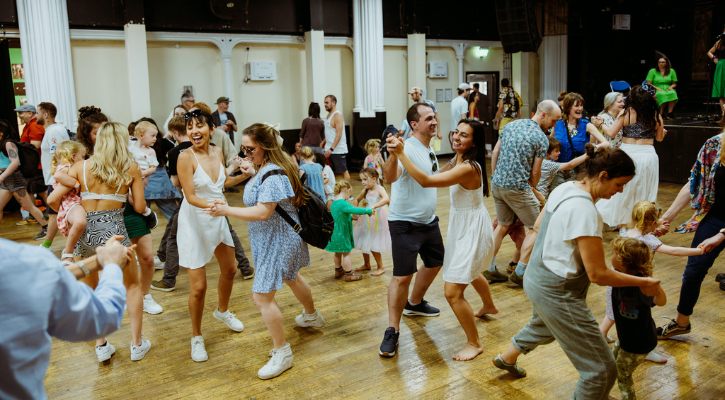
(25,107)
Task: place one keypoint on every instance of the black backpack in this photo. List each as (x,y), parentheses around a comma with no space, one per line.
(29,158)
(316,222)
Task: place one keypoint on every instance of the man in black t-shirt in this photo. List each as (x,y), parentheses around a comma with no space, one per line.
(168,250)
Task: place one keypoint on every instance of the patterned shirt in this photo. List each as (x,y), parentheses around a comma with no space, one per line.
(649,239)
(510,102)
(615,141)
(702,183)
(521,141)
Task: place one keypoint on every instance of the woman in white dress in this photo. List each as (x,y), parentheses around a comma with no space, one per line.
(201,236)
(468,224)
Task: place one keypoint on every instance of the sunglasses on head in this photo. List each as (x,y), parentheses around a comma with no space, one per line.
(190,114)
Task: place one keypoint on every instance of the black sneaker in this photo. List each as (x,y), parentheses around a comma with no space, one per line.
(247,271)
(722,285)
(42,233)
(423,309)
(390,343)
(672,329)
(719,277)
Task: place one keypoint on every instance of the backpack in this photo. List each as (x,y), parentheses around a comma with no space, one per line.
(316,222)
(29,158)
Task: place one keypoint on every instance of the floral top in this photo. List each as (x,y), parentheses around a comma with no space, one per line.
(702,182)
(510,102)
(374,164)
(649,239)
(615,141)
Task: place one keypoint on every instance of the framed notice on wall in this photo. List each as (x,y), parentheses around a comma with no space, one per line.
(439,95)
(449,94)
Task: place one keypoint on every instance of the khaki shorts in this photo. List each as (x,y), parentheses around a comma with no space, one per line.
(515,202)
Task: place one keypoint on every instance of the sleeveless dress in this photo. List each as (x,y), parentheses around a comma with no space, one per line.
(468,223)
(199,233)
(371,232)
(69,200)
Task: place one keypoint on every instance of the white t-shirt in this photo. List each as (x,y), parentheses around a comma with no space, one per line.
(54,135)
(576,218)
(408,200)
(330,134)
(330,185)
(459,106)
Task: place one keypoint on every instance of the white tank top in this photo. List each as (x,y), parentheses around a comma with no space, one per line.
(330,134)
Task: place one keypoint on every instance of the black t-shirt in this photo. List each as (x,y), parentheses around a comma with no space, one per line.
(633,317)
(173,155)
(718,208)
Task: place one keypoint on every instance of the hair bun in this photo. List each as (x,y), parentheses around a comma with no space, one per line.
(590,150)
(88,111)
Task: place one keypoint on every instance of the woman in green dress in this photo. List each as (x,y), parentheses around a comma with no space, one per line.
(717,55)
(664,79)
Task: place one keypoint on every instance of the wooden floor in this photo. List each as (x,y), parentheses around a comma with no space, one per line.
(341,359)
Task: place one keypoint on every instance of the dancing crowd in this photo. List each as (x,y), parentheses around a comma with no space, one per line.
(558,181)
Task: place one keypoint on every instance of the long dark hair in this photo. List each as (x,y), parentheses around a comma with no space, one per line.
(158,146)
(88,116)
(9,135)
(668,66)
(477,153)
(645,105)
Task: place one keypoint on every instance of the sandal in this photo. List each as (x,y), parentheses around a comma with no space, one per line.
(352,276)
(339,272)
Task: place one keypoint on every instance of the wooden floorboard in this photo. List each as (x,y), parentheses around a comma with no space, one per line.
(341,360)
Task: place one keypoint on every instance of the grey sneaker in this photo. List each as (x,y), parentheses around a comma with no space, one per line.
(105,352)
(672,329)
(514,368)
(247,271)
(495,276)
(160,285)
(310,320)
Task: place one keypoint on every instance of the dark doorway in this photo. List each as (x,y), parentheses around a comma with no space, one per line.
(488,86)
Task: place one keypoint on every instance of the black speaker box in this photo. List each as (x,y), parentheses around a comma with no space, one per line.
(517,25)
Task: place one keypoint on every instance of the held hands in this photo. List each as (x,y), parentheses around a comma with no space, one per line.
(597,120)
(219,208)
(327,153)
(395,144)
(709,245)
(664,227)
(113,252)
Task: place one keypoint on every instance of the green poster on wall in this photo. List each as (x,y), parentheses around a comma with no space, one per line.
(16,66)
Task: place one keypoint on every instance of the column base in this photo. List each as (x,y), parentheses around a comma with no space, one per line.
(365,129)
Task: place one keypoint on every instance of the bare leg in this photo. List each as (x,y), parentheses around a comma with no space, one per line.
(346,176)
(197,297)
(145,254)
(682,320)
(606,325)
(134,301)
(464,313)
(397,297)
(366,263)
(303,293)
(498,234)
(26,201)
(5,196)
(510,355)
(52,227)
(483,290)
(346,261)
(77,224)
(528,245)
(379,262)
(338,260)
(272,316)
(670,106)
(424,278)
(228,267)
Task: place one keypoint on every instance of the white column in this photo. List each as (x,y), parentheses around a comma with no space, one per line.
(316,73)
(138,70)
(523,64)
(416,62)
(460,49)
(45,42)
(368,57)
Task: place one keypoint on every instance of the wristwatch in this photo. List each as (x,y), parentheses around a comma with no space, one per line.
(722,231)
(83,268)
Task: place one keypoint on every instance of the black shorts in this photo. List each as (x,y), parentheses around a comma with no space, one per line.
(14,182)
(338,163)
(409,239)
(49,210)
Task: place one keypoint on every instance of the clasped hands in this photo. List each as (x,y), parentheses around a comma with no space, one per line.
(113,252)
(395,144)
(217,208)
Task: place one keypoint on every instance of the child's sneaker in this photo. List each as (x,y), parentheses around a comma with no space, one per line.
(310,320)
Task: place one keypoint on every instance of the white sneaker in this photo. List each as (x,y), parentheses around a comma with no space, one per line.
(281,361)
(137,352)
(198,351)
(150,306)
(105,352)
(314,320)
(230,319)
(158,264)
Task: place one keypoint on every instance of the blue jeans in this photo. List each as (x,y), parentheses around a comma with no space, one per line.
(167,206)
(697,266)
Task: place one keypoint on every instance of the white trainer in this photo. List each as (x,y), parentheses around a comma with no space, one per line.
(314,320)
(281,361)
(230,319)
(105,352)
(151,306)
(158,264)
(198,351)
(137,352)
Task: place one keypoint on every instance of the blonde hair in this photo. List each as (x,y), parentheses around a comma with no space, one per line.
(371,145)
(64,153)
(111,159)
(306,152)
(142,127)
(634,255)
(645,214)
(340,185)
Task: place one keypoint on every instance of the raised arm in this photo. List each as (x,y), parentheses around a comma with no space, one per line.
(461,173)
(593,131)
(711,52)
(391,169)
(573,163)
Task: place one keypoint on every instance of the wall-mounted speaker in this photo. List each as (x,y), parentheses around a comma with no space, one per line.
(517,25)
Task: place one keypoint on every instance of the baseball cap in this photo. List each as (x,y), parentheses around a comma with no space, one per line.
(222,100)
(25,107)
(416,89)
(464,86)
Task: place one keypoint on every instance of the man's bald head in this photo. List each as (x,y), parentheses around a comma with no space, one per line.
(547,113)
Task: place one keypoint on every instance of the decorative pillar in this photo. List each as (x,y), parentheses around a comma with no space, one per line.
(45,42)
(138,70)
(417,75)
(460,49)
(316,73)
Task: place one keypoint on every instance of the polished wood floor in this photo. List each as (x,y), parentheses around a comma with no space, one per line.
(341,359)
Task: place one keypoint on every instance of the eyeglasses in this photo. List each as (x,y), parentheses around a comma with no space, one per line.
(248,151)
(196,113)
(434,161)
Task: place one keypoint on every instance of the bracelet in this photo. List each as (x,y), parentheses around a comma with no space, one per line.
(83,268)
(451,162)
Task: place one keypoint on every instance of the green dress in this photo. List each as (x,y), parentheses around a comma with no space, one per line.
(663,82)
(342,240)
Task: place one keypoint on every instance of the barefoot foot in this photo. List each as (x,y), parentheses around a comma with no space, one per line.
(468,353)
(486,310)
(363,268)
(378,272)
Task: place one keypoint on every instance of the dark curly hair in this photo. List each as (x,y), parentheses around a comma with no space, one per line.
(645,105)
(87,117)
(9,134)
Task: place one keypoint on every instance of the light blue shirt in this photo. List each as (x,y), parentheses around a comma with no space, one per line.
(40,298)
(223,118)
(408,200)
(4,161)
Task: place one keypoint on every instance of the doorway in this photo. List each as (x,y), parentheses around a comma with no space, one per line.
(488,87)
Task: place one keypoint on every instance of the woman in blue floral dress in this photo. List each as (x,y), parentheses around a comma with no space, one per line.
(278,252)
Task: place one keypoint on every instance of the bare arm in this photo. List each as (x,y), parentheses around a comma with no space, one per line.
(14,160)
(500,110)
(592,253)
(259,212)
(391,169)
(593,131)
(681,201)
(175,181)
(573,163)
(62,177)
(438,124)
(35,143)
(494,155)
(613,130)
(185,169)
(139,203)
(660,298)
(337,124)
(384,198)
(660,135)
(535,172)
(461,173)
(711,52)
(679,251)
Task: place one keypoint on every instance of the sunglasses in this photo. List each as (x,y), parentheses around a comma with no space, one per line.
(433,160)
(196,113)
(248,151)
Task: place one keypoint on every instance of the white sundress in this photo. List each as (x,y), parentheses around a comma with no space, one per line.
(469,243)
(199,233)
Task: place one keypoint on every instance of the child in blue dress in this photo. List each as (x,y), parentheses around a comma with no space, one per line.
(313,171)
